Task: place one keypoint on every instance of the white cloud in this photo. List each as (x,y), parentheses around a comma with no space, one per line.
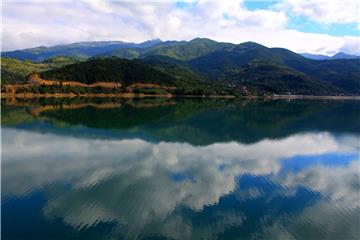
(33,24)
(326,11)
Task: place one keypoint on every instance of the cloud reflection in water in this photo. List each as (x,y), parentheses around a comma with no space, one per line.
(144,185)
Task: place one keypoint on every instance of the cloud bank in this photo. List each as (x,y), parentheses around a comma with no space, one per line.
(34,24)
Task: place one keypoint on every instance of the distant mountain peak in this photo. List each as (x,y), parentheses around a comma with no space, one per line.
(202,40)
(339,55)
(249,45)
(315,56)
(150,43)
(342,55)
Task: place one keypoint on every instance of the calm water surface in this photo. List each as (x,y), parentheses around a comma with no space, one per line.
(180,169)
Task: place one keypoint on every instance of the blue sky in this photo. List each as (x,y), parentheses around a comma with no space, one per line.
(315,26)
(305,24)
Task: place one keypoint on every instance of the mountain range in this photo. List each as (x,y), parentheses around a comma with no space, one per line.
(76,50)
(132,50)
(246,68)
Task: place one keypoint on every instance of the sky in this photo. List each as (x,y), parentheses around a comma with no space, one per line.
(313,26)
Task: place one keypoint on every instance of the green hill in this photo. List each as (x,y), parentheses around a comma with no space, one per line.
(149,70)
(343,75)
(117,70)
(186,50)
(266,77)
(218,62)
(229,62)
(177,50)
(15,71)
(187,80)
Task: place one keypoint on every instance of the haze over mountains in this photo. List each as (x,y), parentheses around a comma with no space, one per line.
(248,65)
(339,55)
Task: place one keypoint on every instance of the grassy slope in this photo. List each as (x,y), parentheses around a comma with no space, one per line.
(15,71)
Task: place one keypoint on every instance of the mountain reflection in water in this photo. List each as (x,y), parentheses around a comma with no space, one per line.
(206,169)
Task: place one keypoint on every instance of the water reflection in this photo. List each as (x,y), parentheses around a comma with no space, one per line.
(304,185)
(138,184)
(197,122)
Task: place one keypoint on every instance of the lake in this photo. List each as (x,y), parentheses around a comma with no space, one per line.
(180,169)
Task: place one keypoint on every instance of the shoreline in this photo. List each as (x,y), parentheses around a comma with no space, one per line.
(314,97)
(133,95)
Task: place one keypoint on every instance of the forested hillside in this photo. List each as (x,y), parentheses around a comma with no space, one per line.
(197,66)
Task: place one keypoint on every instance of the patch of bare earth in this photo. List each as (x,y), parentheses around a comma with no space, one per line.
(37,80)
